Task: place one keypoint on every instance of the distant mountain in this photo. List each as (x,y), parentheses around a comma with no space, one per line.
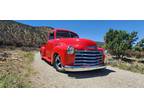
(13,33)
(100,43)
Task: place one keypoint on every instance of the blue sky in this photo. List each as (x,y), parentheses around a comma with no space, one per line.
(91,29)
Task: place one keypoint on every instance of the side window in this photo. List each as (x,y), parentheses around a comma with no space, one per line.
(73,35)
(62,34)
(51,36)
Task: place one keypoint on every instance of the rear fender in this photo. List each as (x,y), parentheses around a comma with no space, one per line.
(42,50)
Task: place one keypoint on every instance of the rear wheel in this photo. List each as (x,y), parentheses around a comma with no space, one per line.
(57,64)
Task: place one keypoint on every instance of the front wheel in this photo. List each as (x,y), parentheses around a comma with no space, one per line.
(57,64)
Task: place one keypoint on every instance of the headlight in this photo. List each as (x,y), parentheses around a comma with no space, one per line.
(70,50)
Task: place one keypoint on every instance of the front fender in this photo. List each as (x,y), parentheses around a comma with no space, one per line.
(102,50)
(61,51)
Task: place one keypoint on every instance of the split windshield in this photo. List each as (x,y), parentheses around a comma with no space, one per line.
(66,34)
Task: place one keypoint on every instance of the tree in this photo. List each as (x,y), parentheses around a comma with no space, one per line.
(118,41)
(140,45)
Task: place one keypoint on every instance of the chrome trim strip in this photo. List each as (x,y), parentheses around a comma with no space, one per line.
(83,68)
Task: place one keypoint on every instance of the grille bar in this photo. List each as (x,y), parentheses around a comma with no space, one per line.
(90,61)
(88,54)
(86,64)
(81,57)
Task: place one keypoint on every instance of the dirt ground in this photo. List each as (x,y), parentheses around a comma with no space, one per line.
(111,77)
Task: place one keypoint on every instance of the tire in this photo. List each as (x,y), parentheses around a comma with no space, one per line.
(57,64)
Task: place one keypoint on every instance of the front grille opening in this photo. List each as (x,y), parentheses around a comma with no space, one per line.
(88,58)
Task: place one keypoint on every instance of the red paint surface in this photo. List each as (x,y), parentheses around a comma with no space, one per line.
(59,46)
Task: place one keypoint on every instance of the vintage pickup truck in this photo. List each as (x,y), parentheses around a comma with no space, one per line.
(67,52)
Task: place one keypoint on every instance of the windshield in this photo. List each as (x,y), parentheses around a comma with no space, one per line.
(66,34)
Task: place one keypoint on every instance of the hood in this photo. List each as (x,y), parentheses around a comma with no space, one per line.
(79,43)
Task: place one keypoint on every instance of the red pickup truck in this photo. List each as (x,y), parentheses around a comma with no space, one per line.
(67,52)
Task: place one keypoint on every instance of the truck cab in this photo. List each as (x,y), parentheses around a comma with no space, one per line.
(67,52)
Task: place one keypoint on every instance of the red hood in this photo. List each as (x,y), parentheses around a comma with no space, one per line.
(78,43)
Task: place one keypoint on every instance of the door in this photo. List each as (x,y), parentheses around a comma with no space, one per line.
(50,45)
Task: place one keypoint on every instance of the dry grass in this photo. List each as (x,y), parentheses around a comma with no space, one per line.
(130,65)
(16,70)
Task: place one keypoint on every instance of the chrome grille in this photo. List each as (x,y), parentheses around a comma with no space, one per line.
(87,57)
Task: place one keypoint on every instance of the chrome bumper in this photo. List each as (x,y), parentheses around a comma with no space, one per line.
(83,68)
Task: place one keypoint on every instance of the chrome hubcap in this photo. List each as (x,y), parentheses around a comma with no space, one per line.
(58,63)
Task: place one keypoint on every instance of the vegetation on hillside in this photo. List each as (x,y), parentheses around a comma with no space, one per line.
(13,33)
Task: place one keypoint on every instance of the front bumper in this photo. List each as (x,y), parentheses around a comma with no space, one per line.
(83,68)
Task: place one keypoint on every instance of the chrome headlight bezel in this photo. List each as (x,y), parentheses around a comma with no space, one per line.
(70,50)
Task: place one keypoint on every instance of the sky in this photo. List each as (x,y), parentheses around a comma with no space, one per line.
(91,29)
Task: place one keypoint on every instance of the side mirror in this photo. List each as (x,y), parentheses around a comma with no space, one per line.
(51,34)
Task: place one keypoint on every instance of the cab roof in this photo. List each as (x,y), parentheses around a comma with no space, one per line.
(60,29)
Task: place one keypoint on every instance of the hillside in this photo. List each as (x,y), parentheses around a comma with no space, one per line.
(13,33)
